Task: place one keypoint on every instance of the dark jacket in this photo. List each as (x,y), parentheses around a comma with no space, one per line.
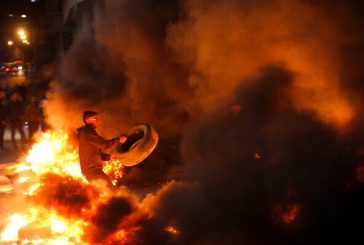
(90,146)
(15,111)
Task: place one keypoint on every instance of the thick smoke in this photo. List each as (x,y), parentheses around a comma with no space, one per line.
(166,62)
(265,95)
(240,198)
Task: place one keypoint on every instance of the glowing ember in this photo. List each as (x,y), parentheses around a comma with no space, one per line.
(172,230)
(291,213)
(236,109)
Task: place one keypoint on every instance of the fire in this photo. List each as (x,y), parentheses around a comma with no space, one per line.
(55,154)
(63,205)
(114,169)
(11,231)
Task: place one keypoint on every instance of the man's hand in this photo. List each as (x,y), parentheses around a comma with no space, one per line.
(122,139)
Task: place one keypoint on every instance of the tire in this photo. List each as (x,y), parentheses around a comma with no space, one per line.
(142,140)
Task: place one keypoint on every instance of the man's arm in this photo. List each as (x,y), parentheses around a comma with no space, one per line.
(100,142)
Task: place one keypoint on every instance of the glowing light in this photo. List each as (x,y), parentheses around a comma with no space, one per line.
(21,32)
(23,37)
(23,16)
(25,41)
(10,43)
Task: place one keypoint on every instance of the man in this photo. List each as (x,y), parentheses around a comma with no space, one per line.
(15,113)
(34,117)
(90,146)
(2,119)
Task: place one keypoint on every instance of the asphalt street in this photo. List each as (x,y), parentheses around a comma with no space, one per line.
(12,79)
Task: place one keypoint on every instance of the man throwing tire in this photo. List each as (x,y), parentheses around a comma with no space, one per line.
(90,146)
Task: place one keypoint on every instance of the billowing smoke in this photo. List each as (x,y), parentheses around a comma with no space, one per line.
(265,174)
(265,96)
(168,62)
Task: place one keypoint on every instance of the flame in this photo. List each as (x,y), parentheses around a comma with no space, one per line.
(55,154)
(11,231)
(23,179)
(56,218)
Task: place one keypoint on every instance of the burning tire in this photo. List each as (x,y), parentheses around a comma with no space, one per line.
(141,141)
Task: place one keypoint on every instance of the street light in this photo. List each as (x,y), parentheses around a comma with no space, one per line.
(23,16)
(23,37)
(10,43)
(21,32)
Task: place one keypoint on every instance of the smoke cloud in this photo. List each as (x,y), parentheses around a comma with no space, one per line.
(266,96)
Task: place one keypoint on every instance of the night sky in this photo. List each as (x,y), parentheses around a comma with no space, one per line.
(9,25)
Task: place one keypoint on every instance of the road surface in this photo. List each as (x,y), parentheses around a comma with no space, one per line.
(12,79)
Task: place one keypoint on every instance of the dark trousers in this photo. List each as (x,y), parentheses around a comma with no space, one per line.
(2,131)
(17,126)
(33,128)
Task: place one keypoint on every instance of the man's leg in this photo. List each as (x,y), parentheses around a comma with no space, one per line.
(2,130)
(97,174)
(12,129)
(19,127)
(33,127)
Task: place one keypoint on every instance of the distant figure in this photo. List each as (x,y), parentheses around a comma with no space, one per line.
(15,113)
(22,90)
(34,117)
(2,119)
(8,91)
(90,146)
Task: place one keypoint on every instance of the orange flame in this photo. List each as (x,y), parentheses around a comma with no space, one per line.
(53,155)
